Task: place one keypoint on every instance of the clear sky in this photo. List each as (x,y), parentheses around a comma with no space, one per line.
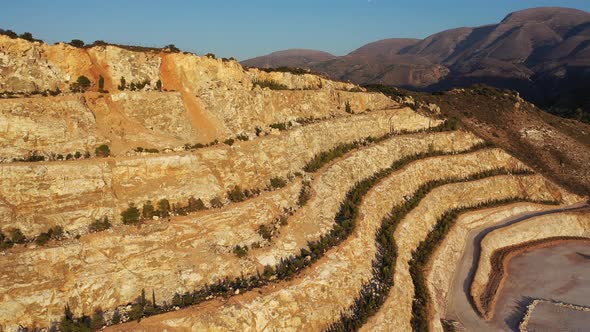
(248,28)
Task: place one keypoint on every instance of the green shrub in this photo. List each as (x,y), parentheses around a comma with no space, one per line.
(159,85)
(17,237)
(123,84)
(195,205)
(304,194)
(236,194)
(279,126)
(102,151)
(100,83)
(271,84)
(164,207)
(240,251)
(77,43)
(216,203)
(277,182)
(347,108)
(131,215)
(42,238)
(27,36)
(229,141)
(82,84)
(265,232)
(242,137)
(147,211)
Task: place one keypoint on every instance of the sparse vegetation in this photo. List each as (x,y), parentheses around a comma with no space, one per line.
(99,225)
(54,233)
(271,84)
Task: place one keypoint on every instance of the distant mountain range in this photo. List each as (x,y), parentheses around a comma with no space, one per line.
(544,53)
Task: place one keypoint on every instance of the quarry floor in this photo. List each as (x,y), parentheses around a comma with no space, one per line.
(560,272)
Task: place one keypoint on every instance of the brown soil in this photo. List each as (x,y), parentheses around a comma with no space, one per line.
(500,260)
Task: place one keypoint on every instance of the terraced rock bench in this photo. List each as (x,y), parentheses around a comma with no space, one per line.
(37,196)
(316,298)
(222,230)
(487,281)
(396,313)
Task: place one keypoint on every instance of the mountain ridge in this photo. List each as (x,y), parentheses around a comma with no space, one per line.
(543,53)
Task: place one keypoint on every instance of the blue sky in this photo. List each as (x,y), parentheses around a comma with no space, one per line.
(249,28)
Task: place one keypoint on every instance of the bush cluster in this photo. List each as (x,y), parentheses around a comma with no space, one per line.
(99,225)
(54,233)
(271,84)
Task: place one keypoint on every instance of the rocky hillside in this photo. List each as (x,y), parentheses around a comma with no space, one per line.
(542,52)
(151,189)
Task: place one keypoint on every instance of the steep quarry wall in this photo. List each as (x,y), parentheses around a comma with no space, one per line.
(397,309)
(317,297)
(47,125)
(203,99)
(566,224)
(110,268)
(36,196)
(212,236)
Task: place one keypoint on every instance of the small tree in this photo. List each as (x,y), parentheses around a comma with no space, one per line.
(277,182)
(347,107)
(195,204)
(82,83)
(98,320)
(77,43)
(147,212)
(123,85)
(27,36)
(236,194)
(164,207)
(16,236)
(131,215)
(216,203)
(116,319)
(102,151)
(99,225)
(100,83)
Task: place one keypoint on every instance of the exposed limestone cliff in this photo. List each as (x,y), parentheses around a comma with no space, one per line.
(313,300)
(203,99)
(72,194)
